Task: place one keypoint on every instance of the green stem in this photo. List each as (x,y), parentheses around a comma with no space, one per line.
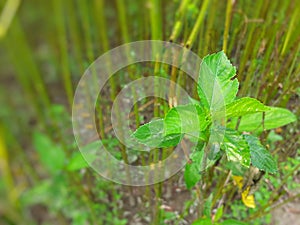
(227,24)
(180,14)
(291,29)
(62,37)
(155,16)
(197,25)
(75,36)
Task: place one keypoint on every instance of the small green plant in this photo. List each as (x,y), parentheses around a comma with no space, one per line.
(244,120)
(61,190)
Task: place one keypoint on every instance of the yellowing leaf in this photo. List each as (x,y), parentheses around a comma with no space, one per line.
(238,181)
(248,200)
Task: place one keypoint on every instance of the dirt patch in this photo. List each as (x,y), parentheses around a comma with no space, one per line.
(287,214)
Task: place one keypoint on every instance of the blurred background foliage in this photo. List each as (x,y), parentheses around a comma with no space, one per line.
(46,47)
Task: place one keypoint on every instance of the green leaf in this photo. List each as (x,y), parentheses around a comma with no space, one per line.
(153,135)
(78,162)
(244,106)
(205,221)
(193,101)
(273,137)
(236,168)
(192,170)
(186,119)
(260,156)
(192,173)
(275,117)
(217,71)
(207,206)
(52,192)
(219,214)
(40,193)
(51,155)
(233,222)
(236,147)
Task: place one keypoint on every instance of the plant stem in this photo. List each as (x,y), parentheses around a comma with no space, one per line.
(155,16)
(66,74)
(179,22)
(291,29)
(227,23)
(75,37)
(8,12)
(197,25)
(6,171)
